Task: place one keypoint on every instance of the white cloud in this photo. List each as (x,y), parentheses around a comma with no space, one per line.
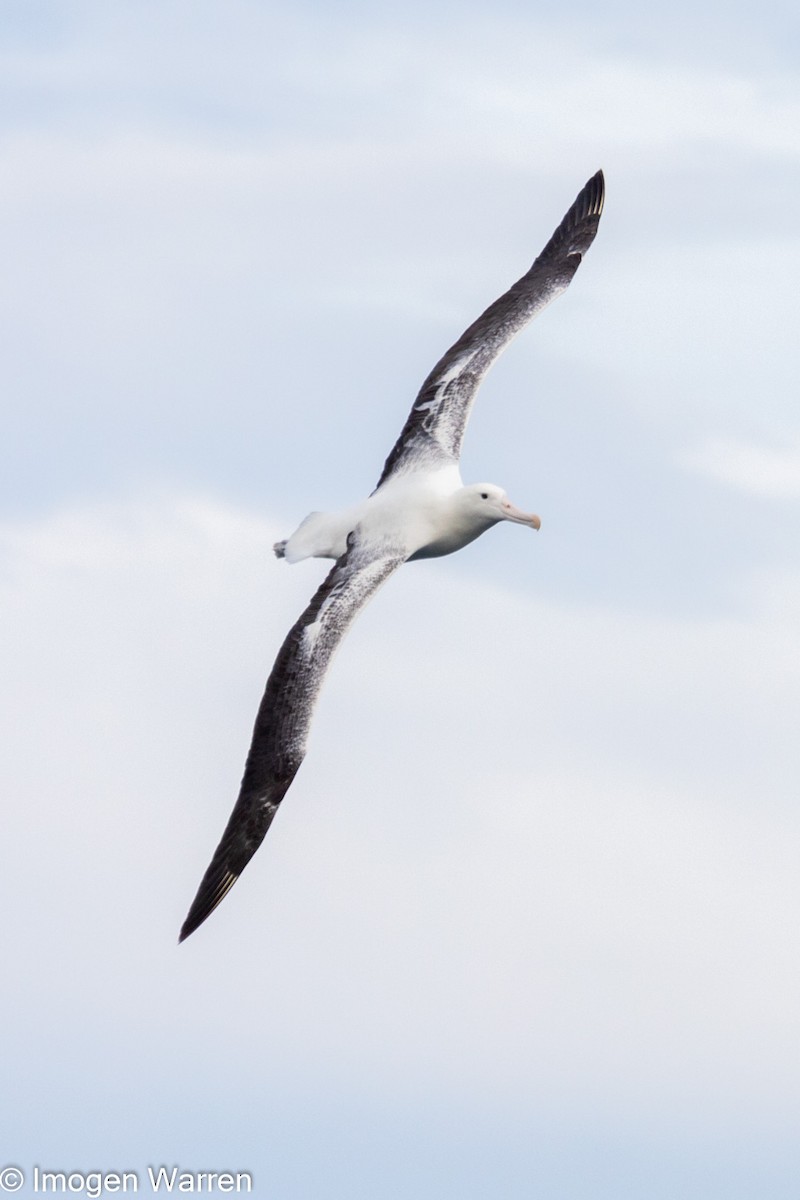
(770,472)
(575,826)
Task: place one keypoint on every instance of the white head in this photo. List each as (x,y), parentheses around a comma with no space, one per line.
(466,514)
(487,504)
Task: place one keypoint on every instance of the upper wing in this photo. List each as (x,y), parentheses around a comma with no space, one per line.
(435,426)
(281,728)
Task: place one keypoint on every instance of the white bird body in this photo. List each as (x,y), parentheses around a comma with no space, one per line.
(428,513)
(419,509)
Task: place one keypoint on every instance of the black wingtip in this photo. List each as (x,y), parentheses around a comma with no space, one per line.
(577,230)
(592,195)
(212,891)
(588,203)
(251,817)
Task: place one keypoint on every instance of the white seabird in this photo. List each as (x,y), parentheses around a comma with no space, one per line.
(419,509)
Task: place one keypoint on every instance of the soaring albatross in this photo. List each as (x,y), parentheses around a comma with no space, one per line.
(419,509)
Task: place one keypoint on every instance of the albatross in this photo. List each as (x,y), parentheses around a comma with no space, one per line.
(420,508)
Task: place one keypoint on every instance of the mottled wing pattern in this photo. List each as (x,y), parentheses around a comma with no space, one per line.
(282,723)
(435,426)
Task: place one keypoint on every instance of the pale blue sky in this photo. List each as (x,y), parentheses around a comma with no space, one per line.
(526,924)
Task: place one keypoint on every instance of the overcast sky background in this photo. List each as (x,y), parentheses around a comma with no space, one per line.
(526,925)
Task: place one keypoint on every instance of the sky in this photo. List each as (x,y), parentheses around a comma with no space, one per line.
(526,924)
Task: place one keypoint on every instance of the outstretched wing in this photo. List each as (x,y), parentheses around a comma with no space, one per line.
(435,426)
(281,728)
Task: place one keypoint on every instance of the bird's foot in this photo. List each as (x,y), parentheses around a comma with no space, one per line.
(280,549)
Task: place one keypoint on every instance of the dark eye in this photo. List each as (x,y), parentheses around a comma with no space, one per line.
(484,495)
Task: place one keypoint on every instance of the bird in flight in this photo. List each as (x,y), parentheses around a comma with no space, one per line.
(419,509)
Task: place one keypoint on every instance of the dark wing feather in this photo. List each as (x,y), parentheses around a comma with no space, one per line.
(282,723)
(435,426)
